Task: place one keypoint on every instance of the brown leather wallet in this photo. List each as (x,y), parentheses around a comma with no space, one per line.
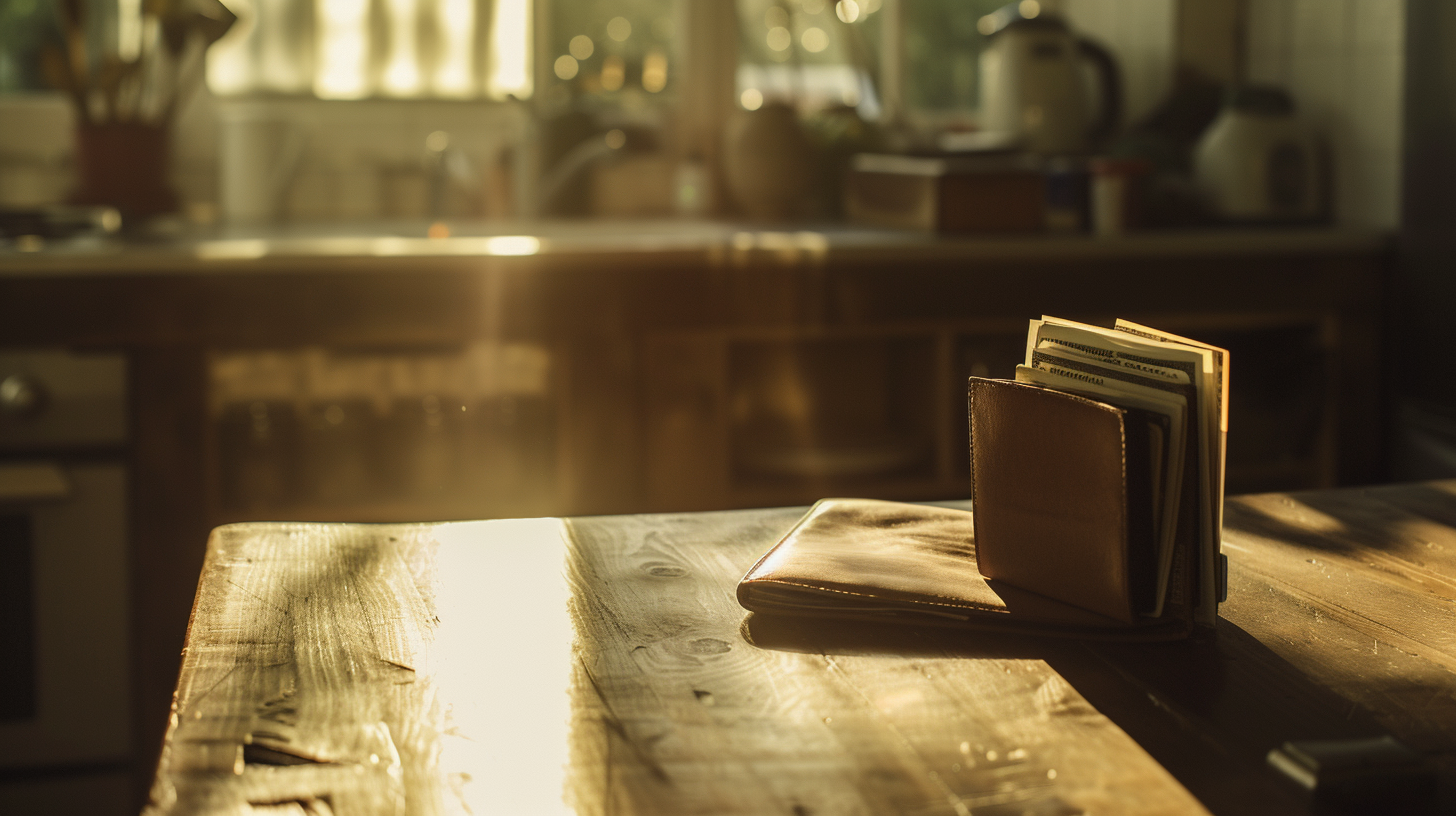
(1061,540)
(1057,482)
(872,559)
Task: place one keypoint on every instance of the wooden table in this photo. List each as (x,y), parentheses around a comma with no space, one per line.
(602,664)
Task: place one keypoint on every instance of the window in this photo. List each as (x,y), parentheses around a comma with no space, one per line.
(355,49)
(616,52)
(822,53)
(943,44)
(815,53)
(27,28)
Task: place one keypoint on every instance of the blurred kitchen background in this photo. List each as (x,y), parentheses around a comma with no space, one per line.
(403,260)
(352,110)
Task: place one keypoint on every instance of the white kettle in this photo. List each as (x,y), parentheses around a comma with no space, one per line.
(1032,84)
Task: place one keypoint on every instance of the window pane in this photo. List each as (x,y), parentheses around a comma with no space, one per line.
(612,50)
(942,49)
(814,53)
(352,49)
(26,28)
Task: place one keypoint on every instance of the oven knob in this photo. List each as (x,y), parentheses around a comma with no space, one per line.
(21,396)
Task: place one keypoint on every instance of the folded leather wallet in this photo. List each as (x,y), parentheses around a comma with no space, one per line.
(1060,541)
(1061,485)
(872,559)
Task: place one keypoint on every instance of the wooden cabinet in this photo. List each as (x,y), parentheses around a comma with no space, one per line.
(720,369)
(768,417)
(743,417)
(848,377)
(384,434)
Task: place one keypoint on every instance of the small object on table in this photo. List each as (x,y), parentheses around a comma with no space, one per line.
(1376,775)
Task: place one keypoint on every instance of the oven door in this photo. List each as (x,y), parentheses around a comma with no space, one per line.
(64,680)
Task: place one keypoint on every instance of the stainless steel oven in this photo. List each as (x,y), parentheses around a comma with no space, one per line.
(64,599)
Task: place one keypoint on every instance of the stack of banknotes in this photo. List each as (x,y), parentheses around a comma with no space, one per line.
(1180,388)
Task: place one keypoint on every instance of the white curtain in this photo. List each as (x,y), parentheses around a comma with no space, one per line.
(354,49)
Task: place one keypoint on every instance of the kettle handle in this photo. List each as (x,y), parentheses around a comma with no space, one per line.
(1110,80)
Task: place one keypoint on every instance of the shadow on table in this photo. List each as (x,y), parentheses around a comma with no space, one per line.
(1208,709)
(1344,521)
(834,636)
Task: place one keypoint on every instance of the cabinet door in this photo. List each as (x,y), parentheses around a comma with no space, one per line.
(757,418)
(392,435)
(685,402)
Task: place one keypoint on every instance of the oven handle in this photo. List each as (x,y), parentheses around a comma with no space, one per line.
(32,481)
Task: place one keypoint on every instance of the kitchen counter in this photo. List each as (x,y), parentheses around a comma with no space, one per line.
(364,287)
(379,247)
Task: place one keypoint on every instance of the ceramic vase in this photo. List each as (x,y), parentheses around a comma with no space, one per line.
(767,162)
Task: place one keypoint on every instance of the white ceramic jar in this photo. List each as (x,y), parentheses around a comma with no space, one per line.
(1258,162)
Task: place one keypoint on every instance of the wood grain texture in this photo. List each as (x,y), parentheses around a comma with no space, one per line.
(298,681)
(815,727)
(430,668)
(1357,588)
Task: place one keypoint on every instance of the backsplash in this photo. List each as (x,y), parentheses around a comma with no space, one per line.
(357,160)
(1140,34)
(35,149)
(371,159)
(1343,61)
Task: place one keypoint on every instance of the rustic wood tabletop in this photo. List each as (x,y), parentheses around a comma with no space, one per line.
(602,666)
